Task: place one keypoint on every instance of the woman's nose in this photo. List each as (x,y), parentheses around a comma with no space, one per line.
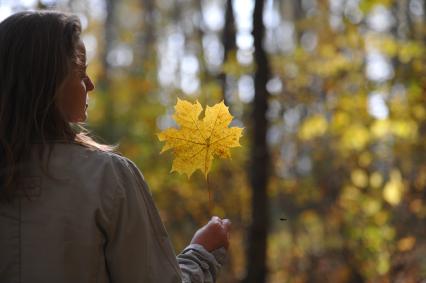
(89,84)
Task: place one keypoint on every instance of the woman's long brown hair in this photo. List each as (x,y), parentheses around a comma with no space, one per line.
(37,50)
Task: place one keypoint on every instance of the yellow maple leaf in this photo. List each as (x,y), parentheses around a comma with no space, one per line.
(198,141)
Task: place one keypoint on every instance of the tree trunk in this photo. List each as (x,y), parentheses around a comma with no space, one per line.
(147,42)
(260,159)
(108,132)
(229,44)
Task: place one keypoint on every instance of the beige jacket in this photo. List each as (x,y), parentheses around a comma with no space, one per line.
(93,220)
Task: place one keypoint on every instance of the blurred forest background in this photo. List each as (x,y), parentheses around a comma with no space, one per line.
(332,95)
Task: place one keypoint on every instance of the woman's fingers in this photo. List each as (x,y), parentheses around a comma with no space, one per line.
(214,234)
(216,219)
(226,224)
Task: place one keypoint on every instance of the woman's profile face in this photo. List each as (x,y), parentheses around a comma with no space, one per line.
(72,95)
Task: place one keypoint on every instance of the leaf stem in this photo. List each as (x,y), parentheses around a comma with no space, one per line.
(210,196)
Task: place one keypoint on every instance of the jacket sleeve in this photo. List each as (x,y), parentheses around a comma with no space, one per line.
(199,265)
(138,248)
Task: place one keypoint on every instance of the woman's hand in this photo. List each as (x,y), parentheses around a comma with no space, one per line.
(214,234)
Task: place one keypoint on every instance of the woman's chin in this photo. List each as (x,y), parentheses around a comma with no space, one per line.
(79,119)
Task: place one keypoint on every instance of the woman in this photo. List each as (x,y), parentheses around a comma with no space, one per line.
(71,210)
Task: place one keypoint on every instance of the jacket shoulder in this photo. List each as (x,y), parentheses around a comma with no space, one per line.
(121,165)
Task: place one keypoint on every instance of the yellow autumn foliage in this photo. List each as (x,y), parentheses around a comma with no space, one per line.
(313,127)
(198,141)
(394,188)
